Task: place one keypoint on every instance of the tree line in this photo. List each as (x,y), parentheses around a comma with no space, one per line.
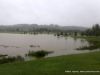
(39,28)
(94,31)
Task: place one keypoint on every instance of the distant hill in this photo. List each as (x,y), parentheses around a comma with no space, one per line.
(28,27)
(74,28)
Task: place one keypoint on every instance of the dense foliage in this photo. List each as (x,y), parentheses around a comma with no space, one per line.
(38,54)
(94,31)
(8,59)
(40,28)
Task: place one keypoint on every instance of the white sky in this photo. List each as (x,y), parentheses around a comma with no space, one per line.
(61,12)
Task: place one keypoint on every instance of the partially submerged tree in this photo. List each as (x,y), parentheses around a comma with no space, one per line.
(75,33)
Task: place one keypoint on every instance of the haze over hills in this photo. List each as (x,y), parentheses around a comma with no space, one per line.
(28,27)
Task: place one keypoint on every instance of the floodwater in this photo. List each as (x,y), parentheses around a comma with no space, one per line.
(19,44)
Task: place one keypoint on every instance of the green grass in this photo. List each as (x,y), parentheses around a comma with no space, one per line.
(95,41)
(88,38)
(54,65)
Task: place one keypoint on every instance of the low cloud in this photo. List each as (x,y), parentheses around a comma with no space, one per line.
(61,12)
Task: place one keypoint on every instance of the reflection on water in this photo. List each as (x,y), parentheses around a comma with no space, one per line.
(75,39)
(19,44)
(65,38)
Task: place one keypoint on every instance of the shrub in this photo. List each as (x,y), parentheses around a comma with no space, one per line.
(38,54)
(3,55)
(30,53)
(19,58)
(11,59)
(41,53)
(58,34)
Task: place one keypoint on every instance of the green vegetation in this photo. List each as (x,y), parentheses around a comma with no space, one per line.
(75,33)
(87,47)
(94,42)
(10,59)
(58,34)
(39,28)
(65,34)
(38,54)
(3,55)
(94,31)
(91,35)
(55,65)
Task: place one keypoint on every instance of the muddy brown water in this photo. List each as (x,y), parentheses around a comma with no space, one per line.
(19,44)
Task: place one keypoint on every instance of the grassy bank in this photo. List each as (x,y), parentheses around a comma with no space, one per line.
(95,41)
(88,38)
(55,65)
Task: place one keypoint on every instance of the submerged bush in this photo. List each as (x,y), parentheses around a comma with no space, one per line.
(41,53)
(38,54)
(58,34)
(11,59)
(91,47)
(19,58)
(3,55)
(30,53)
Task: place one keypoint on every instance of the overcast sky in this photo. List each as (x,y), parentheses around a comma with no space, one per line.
(61,12)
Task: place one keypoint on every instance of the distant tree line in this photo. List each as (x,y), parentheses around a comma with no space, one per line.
(40,28)
(94,31)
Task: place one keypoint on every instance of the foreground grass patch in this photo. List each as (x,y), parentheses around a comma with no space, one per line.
(54,65)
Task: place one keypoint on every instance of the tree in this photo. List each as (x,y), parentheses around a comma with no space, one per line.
(66,34)
(94,31)
(75,33)
(61,33)
(17,29)
(58,34)
(82,33)
(97,29)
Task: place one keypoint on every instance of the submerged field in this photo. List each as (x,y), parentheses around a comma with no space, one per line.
(55,65)
(20,44)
